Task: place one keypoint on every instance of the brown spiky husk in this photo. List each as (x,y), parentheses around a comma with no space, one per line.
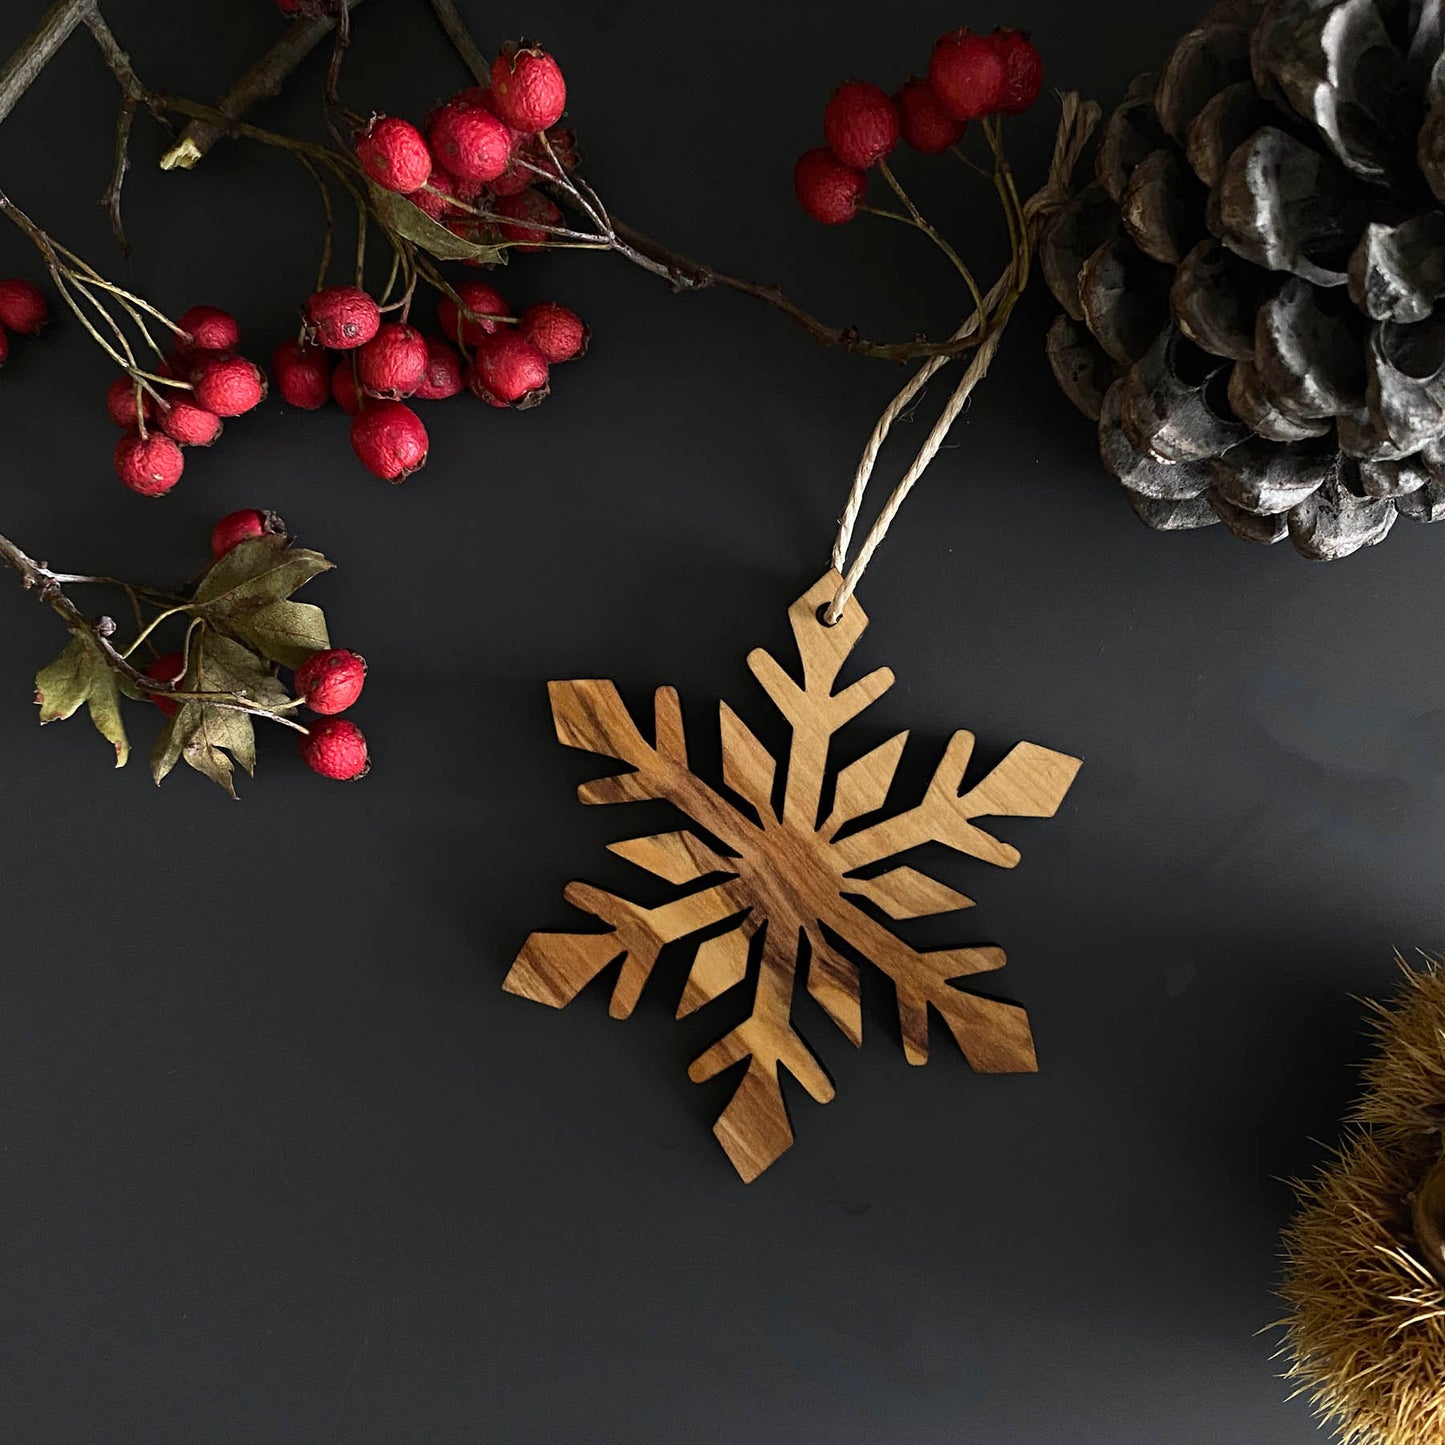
(1366,1324)
(1405,1079)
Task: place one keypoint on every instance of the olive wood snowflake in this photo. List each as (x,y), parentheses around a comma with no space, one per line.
(790,878)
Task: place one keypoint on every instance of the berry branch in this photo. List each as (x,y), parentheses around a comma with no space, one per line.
(240,628)
(490,174)
(683,273)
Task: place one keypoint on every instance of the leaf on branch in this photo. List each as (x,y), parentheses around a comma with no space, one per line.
(408,221)
(79,675)
(245,594)
(212,737)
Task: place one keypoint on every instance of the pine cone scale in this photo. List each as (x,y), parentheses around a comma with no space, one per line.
(1255,283)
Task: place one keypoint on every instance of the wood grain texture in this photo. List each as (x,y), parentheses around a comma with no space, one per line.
(782,869)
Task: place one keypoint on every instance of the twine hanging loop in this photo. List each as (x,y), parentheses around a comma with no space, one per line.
(1077,121)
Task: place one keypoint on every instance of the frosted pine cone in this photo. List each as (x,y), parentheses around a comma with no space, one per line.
(1254,286)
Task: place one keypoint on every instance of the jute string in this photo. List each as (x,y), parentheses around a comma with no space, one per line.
(1076,124)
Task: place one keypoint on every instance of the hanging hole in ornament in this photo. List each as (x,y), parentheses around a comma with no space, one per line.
(823,610)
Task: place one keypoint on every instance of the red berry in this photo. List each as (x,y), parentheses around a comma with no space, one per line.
(390,440)
(528,90)
(210,329)
(860,124)
(331,681)
(508,371)
(828,190)
(443,372)
(302,374)
(345,388)
(335,748)
(4,346)
(238,527)
(480,299)
(341,317)
(1023,70)
(473,95)
(966,74)
(120,403)
(471,142)
(437,200)
(22,307)
(394,153)
(180,363)
(169,667)
(517,177)
(559,334)
(229,385)
(393,362)
(527,206)
(188,424)
(563,143)
(151,465)
(925,125)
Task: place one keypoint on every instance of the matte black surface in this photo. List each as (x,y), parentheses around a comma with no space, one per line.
(279,1159)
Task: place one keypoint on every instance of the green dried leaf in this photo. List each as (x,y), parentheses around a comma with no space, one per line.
(398,214)
(257,571)
(81,675)
(286,632)
(245,594)
(211,737)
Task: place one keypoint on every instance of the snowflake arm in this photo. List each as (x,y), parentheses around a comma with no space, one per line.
(553,968)
(753,1128)
(815,712)
(1029,783)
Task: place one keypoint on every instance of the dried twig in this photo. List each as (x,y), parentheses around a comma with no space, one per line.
(35,52)
(261,82)
(110,199)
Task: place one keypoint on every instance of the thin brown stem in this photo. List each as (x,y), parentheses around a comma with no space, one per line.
(466,48)
(685,274)
(37,49)
(111,197)
(929,230)
(339,118)
(264,80)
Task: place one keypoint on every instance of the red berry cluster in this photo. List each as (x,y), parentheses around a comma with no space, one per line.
(22,310)
(372,367)
(483,150)
(158,421)
(969,76)
(328,682)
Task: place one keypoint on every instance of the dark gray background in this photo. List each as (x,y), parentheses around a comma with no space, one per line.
(280,1161)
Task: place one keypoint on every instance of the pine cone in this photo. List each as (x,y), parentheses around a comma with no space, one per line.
(1254,286)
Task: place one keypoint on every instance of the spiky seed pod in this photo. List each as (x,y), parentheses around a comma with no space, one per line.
(1257,270)
(1365,1273)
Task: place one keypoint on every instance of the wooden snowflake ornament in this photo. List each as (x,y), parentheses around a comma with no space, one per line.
(784,874)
